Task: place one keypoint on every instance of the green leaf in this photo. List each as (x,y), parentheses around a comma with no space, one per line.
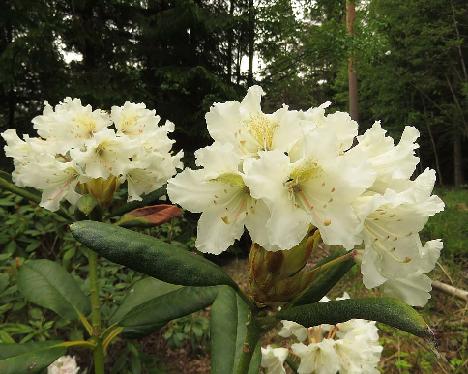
(229,317)
(152,315)
(392,312)
(256,359)
(8,185)
(325,280)
(4,281)
(29,357)
(142,291)
(148,199)
(86,205)
(47,284)
(168,262)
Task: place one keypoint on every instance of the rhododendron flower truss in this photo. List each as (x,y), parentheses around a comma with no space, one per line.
(283,174)
(351,347)
(78,151)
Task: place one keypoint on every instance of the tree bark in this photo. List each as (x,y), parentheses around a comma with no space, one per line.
(458,179)
(230,42)
(433,145)
(352,75)
(251,42)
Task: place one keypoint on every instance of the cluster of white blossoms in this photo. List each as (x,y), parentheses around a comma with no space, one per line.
(351,347)
(279,174)
(78,145)
(63,365)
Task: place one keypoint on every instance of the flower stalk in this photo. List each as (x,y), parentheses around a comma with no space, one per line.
(98,352)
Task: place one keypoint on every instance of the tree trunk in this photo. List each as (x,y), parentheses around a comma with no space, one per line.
(251,42)
(352,76)
(238,64)
(11,91)
(230,41)
(458,179)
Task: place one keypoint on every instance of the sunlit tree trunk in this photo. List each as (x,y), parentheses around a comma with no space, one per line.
(352,76)
(230,42)
(251,42)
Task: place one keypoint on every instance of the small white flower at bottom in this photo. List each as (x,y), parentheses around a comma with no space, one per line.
(317,358)
(63,365)
(273,359)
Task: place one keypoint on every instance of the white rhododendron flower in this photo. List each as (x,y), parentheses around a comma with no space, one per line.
(318,358)
(63,365)
(77,146)
(134,119)
(218,191)
(393,249)
(351,347)
(70,123)
(282,174)
(273,360)
(291,328)
(248,129)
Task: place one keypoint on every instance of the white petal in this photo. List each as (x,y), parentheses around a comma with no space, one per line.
(413,289)
(214,235)
(191,190)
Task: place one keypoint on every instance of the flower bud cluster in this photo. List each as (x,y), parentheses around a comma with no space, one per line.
(77,151)
(280,174)
(351,347)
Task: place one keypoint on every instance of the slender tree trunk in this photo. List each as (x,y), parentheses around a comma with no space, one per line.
(251,42)
(459,48)
(458,179)
(433,144)
(238,64)
(352,76)
(11,92)
(11,108)
(230,42)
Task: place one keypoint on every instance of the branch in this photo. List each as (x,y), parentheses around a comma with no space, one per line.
(446,288)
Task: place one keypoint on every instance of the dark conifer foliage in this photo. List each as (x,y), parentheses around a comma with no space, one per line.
(180,56)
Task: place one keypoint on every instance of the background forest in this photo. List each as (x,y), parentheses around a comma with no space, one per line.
(181,56)
(406,63)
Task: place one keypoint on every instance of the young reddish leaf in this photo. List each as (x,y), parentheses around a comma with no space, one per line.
(153,215)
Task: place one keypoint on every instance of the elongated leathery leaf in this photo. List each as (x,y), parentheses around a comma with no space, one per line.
(324,281)
(49,285)
(392,312)
(141,292)
(152,315)
(29,357)
(170,263)
(229,318)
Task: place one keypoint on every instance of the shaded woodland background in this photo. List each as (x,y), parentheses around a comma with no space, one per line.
(181,56)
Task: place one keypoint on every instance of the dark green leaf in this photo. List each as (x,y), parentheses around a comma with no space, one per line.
(256,359)
(229,317)
(142,291)
(170,263)
(152,315)
(4,281)
(47,284)
(392,312)
(28,357)
(325,280)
